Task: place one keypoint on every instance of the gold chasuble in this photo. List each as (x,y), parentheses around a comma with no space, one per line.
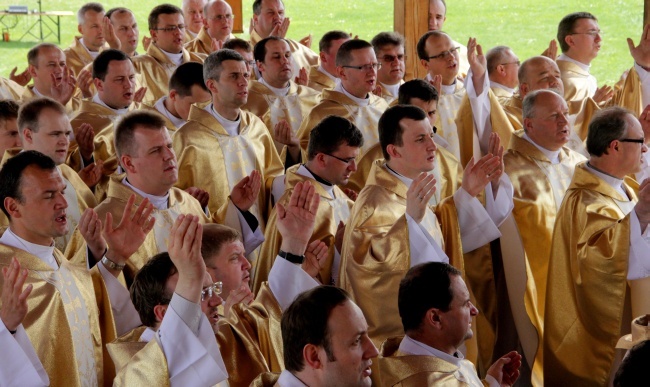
(202,44)
(29,94)
(211,159)
(336,103)
(168,124)
(271,108)
(331,211)
(587,301)
(154,68)
(318,80)
(125,347)
(250,339)
(448,106)
(397,369)
(77,56)
(148,367)
(10,89)
(180,202)
(539,187)
(376,249)
(302,56)
(69,317)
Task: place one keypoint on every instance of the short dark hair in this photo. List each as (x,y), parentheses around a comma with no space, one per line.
(634,366)
(259,51)
(332,132)
(416,88)
(100,64)
(238,43)
(325,43)
(29,112)
(8,110)
(425,286)
(606,126)
(567,24)
(185,76)
(32,54)
(214,237)
(306,322)
(390,129)
(528,105)
(12,171)
(422,43)
(214,63)
(96,7)
(149,287)
(495,57)
(117,10)
(344,54)
(125,129)
(162,9)
(383,39)
(257,6)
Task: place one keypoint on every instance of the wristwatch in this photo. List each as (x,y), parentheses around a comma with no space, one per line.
(293,258)
(112,265)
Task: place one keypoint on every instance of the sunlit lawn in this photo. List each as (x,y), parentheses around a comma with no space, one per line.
(525,25)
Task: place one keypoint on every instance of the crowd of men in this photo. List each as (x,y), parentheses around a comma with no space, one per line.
(217,211)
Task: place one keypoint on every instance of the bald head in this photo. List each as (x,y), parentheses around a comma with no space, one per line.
(218,19)
(539,72)
(193,14)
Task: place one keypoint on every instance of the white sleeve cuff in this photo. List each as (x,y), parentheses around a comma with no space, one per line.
(124,313)
(422,247)
(476,226)
(491,381)
(644,78)
(250,239)
(19,364)
(287,280)
(500,207)
(480,110)
(639,258)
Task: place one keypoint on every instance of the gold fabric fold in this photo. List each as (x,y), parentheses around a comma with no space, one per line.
(125,347)
(302,56)
(202,44)
(77,57)
(319,81)
(10,89)
(148,367)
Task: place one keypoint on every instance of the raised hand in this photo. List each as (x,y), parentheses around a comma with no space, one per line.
(90,227)
(437,83)
(551,50)
(246,192)
(315,258)
(23,78)
(306,41)
(84,81)
(644,119)
(202,196)
(146,41)
(641,53)
(495,148)
(338,237)
(184,249)
(92,173)
(280,29)
(236,296)
(477,175)
(14,297)
(139,94)
(85,137)
(642,207)
(506,369)
(63,90)
(283,134)
(377,90)
(477,63)
(352,194)
(603,94)
(303,77)
(295,222)
(419,194)
(216,44)
(128,236)
(109,34)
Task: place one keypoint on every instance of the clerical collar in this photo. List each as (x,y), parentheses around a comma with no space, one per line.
(359,101)
(118,112)
(38,93)
(402,178)
(45,253)
(192,34)
(583,66)
(552,156)
(93,54)
(392,89)
(160,106)
(280,92)
(287,379)
(330,76)
(500,86)
(232,127)
(613,181)
(414,347)
(160,202)
(147,335)
(176,59)
(327,186)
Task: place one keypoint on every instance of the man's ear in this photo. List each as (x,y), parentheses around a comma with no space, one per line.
(425,64)
(392,151)
(432,318)
(211,85)
(11,205)
(311,354)
(127,163)
(27,136)
(159,311)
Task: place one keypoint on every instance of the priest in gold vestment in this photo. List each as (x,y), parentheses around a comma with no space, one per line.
(10,89)
(437,18)
(540,167)
(65,299)
(222,144)
(502,67)
(389,49)
(216,30)
(85,48)
(599,254)
(323,75)
(333,146)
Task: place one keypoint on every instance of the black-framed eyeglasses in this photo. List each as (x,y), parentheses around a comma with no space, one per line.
(212,290)
(348,160)
(445,54)
(636,140)
(518,63)
(365,67)
(391,58)
(590,33)
(180,27)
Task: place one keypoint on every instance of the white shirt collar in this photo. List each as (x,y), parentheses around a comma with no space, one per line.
(330,76)
(38,93)
(45,253)
(147,335)
(359,101)
(614,182)
(287,379)
(303,171)
(403,178)
(160,106)
(414,347)
(553,156)
(500,86)
(392,89)
(280,92)
(192,34)
(583,66)
(118,112)
(232,127)
(160,202)
(176,59)
(93,54)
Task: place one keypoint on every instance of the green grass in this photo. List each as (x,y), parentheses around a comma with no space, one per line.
(525,25)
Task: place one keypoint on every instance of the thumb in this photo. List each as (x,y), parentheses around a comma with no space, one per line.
(13,72)
(280,210)
(630,44)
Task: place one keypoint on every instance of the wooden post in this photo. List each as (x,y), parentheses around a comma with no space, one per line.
(646,12)
(412,20)
(238,11)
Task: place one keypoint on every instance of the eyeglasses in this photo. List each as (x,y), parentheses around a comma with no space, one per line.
(391,58)
(445,54)
(636,140)
(365,67)
(348,161)
(590,33)
(222,17)
(179,27)
(212,290)
(518,63)
(250,63)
